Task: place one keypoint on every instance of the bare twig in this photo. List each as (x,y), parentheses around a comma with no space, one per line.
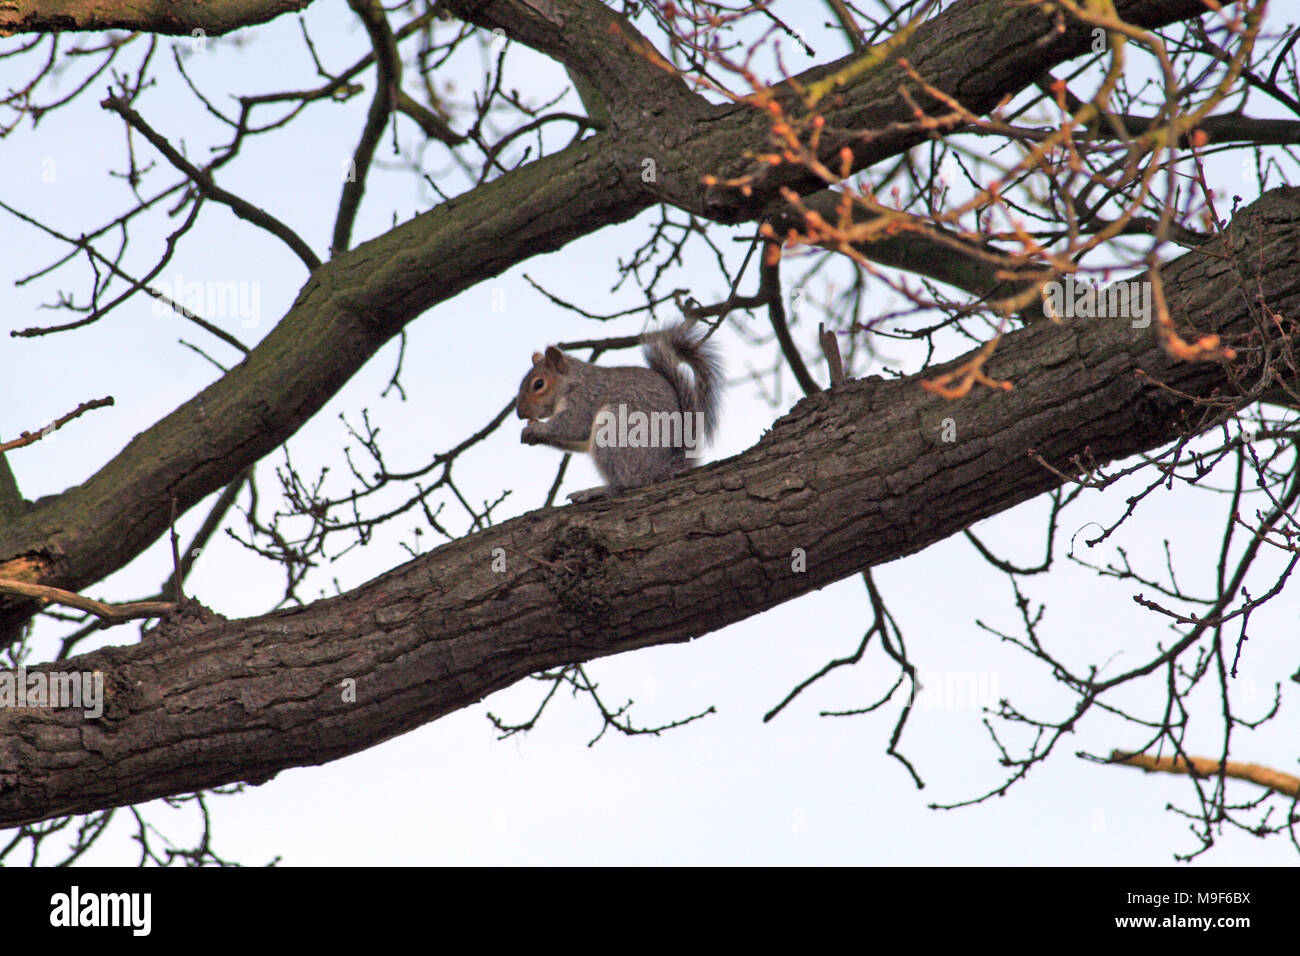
(240,207)
(27,438)
(1207,767)
(109,612)
(831,349)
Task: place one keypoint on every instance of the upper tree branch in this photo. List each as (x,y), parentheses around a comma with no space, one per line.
(355,303)
(176,17)
(591,40)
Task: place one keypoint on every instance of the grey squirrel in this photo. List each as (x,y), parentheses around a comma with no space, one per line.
(640,425)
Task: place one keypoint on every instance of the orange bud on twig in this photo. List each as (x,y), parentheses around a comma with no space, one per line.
(966,375)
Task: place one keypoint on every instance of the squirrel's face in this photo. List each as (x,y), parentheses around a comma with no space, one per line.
(541,387)
(532,394)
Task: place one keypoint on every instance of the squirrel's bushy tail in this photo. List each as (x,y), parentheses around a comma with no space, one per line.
(666,351)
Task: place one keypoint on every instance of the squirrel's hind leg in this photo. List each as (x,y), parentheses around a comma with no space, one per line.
(588,494)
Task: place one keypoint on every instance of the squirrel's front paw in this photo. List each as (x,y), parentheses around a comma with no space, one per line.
(530,435)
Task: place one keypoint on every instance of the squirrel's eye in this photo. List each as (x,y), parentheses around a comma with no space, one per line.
(538,384)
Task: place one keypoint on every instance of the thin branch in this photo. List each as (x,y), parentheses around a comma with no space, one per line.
(1206,767)
(240,207)
(109,612)
(27,438)
(388,81)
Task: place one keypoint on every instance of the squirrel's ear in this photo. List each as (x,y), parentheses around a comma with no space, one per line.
(537,358)
(555,358)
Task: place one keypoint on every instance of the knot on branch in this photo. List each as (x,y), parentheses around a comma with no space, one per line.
(576,573)
(189,617)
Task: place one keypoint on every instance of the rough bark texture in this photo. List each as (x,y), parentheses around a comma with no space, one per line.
(855,476)
(172,17)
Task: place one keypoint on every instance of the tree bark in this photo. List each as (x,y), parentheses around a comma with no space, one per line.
(172,17)
(854,476)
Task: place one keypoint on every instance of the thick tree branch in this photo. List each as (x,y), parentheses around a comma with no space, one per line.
(855,476)
(174,17)
(597,44)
